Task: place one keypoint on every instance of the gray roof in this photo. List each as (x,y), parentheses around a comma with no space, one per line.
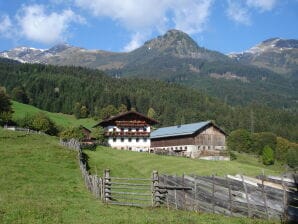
(185,129)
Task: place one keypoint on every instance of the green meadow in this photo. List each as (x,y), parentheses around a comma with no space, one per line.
(41,183)
(63,120)
(135,164)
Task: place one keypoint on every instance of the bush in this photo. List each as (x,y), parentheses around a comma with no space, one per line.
(232,155)
(38,122)
(72,132)
(292,158)
(260,140)
(268,156)
(240,141)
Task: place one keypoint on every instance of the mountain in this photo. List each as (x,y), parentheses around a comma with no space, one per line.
(174,43)
(176,58)
(276,54)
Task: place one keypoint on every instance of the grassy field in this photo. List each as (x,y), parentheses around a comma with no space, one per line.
(142,164)
(41,183)
(64,120)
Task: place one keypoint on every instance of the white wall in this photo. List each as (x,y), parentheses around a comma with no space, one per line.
(142,145)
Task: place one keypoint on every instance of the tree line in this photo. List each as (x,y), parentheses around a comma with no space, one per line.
(86,92)
(266,145)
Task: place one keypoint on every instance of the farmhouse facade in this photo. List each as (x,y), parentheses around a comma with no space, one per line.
(203,139)
(128,131)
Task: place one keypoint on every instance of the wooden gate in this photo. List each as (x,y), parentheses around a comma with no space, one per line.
(127,191)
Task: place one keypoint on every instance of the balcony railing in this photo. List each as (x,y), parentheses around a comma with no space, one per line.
(131,123)
(127,134)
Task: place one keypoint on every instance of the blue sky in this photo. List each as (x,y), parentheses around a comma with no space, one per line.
(123,25)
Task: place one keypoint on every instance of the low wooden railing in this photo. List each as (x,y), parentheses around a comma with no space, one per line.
(127,134)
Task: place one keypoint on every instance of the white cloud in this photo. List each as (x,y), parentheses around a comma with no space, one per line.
(136,41)
(238,12)
(141,16)
(262,5)
(133,14)
(191,16)
(48,28)
(6,28)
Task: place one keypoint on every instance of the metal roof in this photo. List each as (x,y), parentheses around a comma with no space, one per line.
(185,129)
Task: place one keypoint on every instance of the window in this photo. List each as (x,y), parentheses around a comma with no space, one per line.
(137,139)
(145,139)
(129,139)
(129,148)
(122,129)
(122,139)
(137,129)
(144,129)
(114,139)
(114,129)
(185,147)
(129,129)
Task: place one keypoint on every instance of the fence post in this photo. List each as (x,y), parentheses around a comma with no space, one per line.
(107,186)
(247,199)
(230,196)
(213,194)
(265,197)
(176,203)
(155,185)
(285,199)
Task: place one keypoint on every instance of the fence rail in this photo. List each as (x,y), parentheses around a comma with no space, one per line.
(238,196)
(15,128)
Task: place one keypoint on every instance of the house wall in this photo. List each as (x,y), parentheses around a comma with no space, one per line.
(133,143)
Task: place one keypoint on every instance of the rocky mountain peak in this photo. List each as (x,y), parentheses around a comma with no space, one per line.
(274,44)
(59,48)
(174,42)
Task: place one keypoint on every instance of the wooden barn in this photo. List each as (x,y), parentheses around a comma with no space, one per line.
(202,139)
(128,131)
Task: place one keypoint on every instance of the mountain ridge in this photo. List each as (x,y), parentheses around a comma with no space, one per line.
(276,54)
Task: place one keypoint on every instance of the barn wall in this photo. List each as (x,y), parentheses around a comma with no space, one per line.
(210,138)
(165,142)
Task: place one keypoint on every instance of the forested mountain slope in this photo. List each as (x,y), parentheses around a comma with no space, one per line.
(176,58)
(58,89)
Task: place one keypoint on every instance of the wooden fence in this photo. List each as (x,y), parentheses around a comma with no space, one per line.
(238,196)
(92,182)
(232,195)
(127,191)
(14,128)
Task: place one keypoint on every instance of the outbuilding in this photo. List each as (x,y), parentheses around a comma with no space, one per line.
(203,139)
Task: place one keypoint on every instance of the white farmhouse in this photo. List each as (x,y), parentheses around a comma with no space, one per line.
(128,131)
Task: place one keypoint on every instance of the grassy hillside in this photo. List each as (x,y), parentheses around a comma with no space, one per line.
(142,164)
(41,183)
(64,120)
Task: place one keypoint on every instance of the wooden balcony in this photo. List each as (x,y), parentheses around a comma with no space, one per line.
(131,123)
(127,134)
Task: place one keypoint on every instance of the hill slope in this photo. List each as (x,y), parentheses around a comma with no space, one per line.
(64,120)
(42,184)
